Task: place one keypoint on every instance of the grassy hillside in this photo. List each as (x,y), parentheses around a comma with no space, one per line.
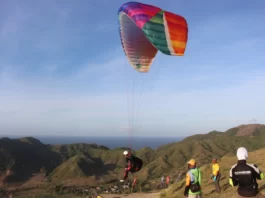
(25,156)
(77,166)
(172,158)
(176,190)
(91,164)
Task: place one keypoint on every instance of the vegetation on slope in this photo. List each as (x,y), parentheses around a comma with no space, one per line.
(99,164)
(256,157)
(173,157)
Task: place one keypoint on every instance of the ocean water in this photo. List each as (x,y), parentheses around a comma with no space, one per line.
(112,142)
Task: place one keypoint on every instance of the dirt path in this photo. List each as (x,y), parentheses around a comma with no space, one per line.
(134,195)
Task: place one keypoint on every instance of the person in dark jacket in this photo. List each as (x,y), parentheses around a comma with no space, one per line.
(245,175)
(134,164)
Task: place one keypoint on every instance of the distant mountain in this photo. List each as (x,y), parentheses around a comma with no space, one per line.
(65,163)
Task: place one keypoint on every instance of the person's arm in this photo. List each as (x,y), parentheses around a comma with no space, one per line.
(200,177)
(187,187)
(125,174)
(232,179)
(257,172)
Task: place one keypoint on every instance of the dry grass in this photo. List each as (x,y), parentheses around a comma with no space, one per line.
(257,157)
(134,195)
(247,130)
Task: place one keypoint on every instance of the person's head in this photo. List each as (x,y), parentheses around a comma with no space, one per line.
(214,160)
(191,163)
(242,153)
(125,153)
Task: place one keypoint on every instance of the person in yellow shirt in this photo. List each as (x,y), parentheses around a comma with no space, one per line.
(216,175)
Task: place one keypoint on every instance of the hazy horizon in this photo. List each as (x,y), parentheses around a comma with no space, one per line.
(110,142)
(63,70)
(125,135)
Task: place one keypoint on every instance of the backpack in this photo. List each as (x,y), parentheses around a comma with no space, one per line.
(195,187)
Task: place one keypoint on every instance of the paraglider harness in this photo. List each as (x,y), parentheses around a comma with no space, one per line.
(134,164)
(134,167)
(194,186)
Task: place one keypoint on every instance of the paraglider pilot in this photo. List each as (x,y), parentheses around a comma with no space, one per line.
(134,164)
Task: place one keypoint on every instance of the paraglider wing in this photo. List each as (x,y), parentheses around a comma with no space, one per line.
(145,29)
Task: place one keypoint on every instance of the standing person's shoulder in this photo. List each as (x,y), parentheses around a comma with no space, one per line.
(199,170)
(259,174)
(252,165)
(255,167)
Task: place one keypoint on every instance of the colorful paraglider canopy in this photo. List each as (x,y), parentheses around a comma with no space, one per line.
(145,29)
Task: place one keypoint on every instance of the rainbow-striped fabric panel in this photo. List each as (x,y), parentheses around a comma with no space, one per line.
(145,29)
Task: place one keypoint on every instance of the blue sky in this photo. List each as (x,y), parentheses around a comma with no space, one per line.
(63,71)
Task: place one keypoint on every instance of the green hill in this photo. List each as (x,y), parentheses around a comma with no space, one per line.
(26,156)
(177,189)
(75,167)
(204,147)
